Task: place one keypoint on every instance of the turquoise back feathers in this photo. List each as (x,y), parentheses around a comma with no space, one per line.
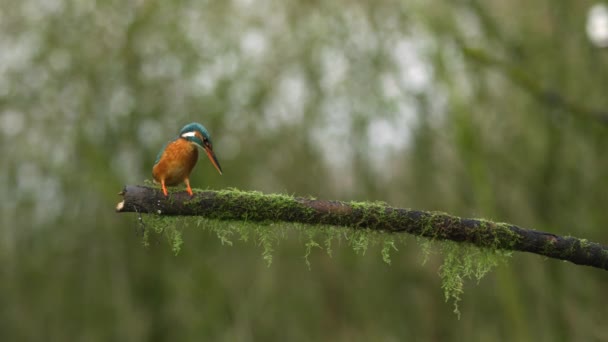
(162,150)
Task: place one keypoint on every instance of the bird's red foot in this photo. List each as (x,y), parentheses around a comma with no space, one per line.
(188,188)
(164,189)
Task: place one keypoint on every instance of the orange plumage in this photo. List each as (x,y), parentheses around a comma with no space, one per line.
(175,164)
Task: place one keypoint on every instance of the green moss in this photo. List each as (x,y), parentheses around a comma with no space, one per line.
(167,227)
(461,261)
(504,229)
(267,240)
(426,245)
(429,228)
(388,246)
(571,249)
(176,241)
(254,202)
(585,244)
(151,183)
(372,213)
(548,246)
(310,244)
(331,234)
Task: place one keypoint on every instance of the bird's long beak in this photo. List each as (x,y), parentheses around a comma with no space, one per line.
(213,159)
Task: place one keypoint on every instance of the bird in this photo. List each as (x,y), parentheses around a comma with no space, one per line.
(177,158)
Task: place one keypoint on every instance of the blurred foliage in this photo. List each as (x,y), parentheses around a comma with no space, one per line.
(339,100)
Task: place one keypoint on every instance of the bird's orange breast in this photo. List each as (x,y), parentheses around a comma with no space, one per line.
(176,162)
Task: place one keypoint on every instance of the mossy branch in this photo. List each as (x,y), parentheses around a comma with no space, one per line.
(258,207)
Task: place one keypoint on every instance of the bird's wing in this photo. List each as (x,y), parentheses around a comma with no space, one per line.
(160,153)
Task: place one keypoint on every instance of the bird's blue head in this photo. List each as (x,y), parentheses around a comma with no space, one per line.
(198,135)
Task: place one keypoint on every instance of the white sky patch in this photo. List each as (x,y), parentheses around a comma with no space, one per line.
(334,65)
(287,105)
(415,74)
(332,134)
(597,25)
(149,133)
(206,79)
(390,86)
(254,44)
(208,75)
(11,123)
(37,10)
(385,135)
(17,51)
(388,136)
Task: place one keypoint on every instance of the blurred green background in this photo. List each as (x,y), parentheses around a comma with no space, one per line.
(477,108)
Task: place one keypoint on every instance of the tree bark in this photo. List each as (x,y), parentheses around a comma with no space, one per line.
(258,207)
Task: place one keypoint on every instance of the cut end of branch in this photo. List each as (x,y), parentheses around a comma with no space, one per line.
(120,206)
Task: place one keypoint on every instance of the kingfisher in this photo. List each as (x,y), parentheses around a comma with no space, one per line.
(178,157)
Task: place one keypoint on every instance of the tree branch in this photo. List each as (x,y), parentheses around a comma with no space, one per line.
(258,207)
